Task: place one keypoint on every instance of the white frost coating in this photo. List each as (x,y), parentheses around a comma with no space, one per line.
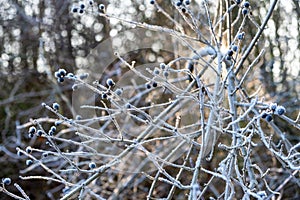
(205,52)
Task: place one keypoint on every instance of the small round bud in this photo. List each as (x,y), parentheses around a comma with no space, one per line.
(74,87)
(264,115)
(245,11)
(156,71)
(62,72)
(228,57)
(152,2)
(154,84)
(148,86)
(119,92)
(273,106)
(81,11)
(104,96)
(30,135)
(57,75)
(262,194)
(83,76)
(241,36)
(91,2)
(280,110)
(60,79)
(82,6)
(78,117)
(6,181)
(234,48)
(74,10)
(269,118)
(187,2)
(71,122)
(178,3)
(183,9)
(50,133)
(101,6)
(162,66)
(166,74)
(128,105)
(70,75)
(32,130)
(238,1)
(246,4)
(45,154)
(110,82)
(53,128)
(29,162)
(230,52)
(55,106)
(19,153)
(28,149)
(57,123)
(39,133)
(92,165)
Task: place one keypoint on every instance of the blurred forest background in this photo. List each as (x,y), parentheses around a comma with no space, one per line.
(39,36)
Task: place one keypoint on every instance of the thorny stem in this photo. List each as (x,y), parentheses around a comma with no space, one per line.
(148,131)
